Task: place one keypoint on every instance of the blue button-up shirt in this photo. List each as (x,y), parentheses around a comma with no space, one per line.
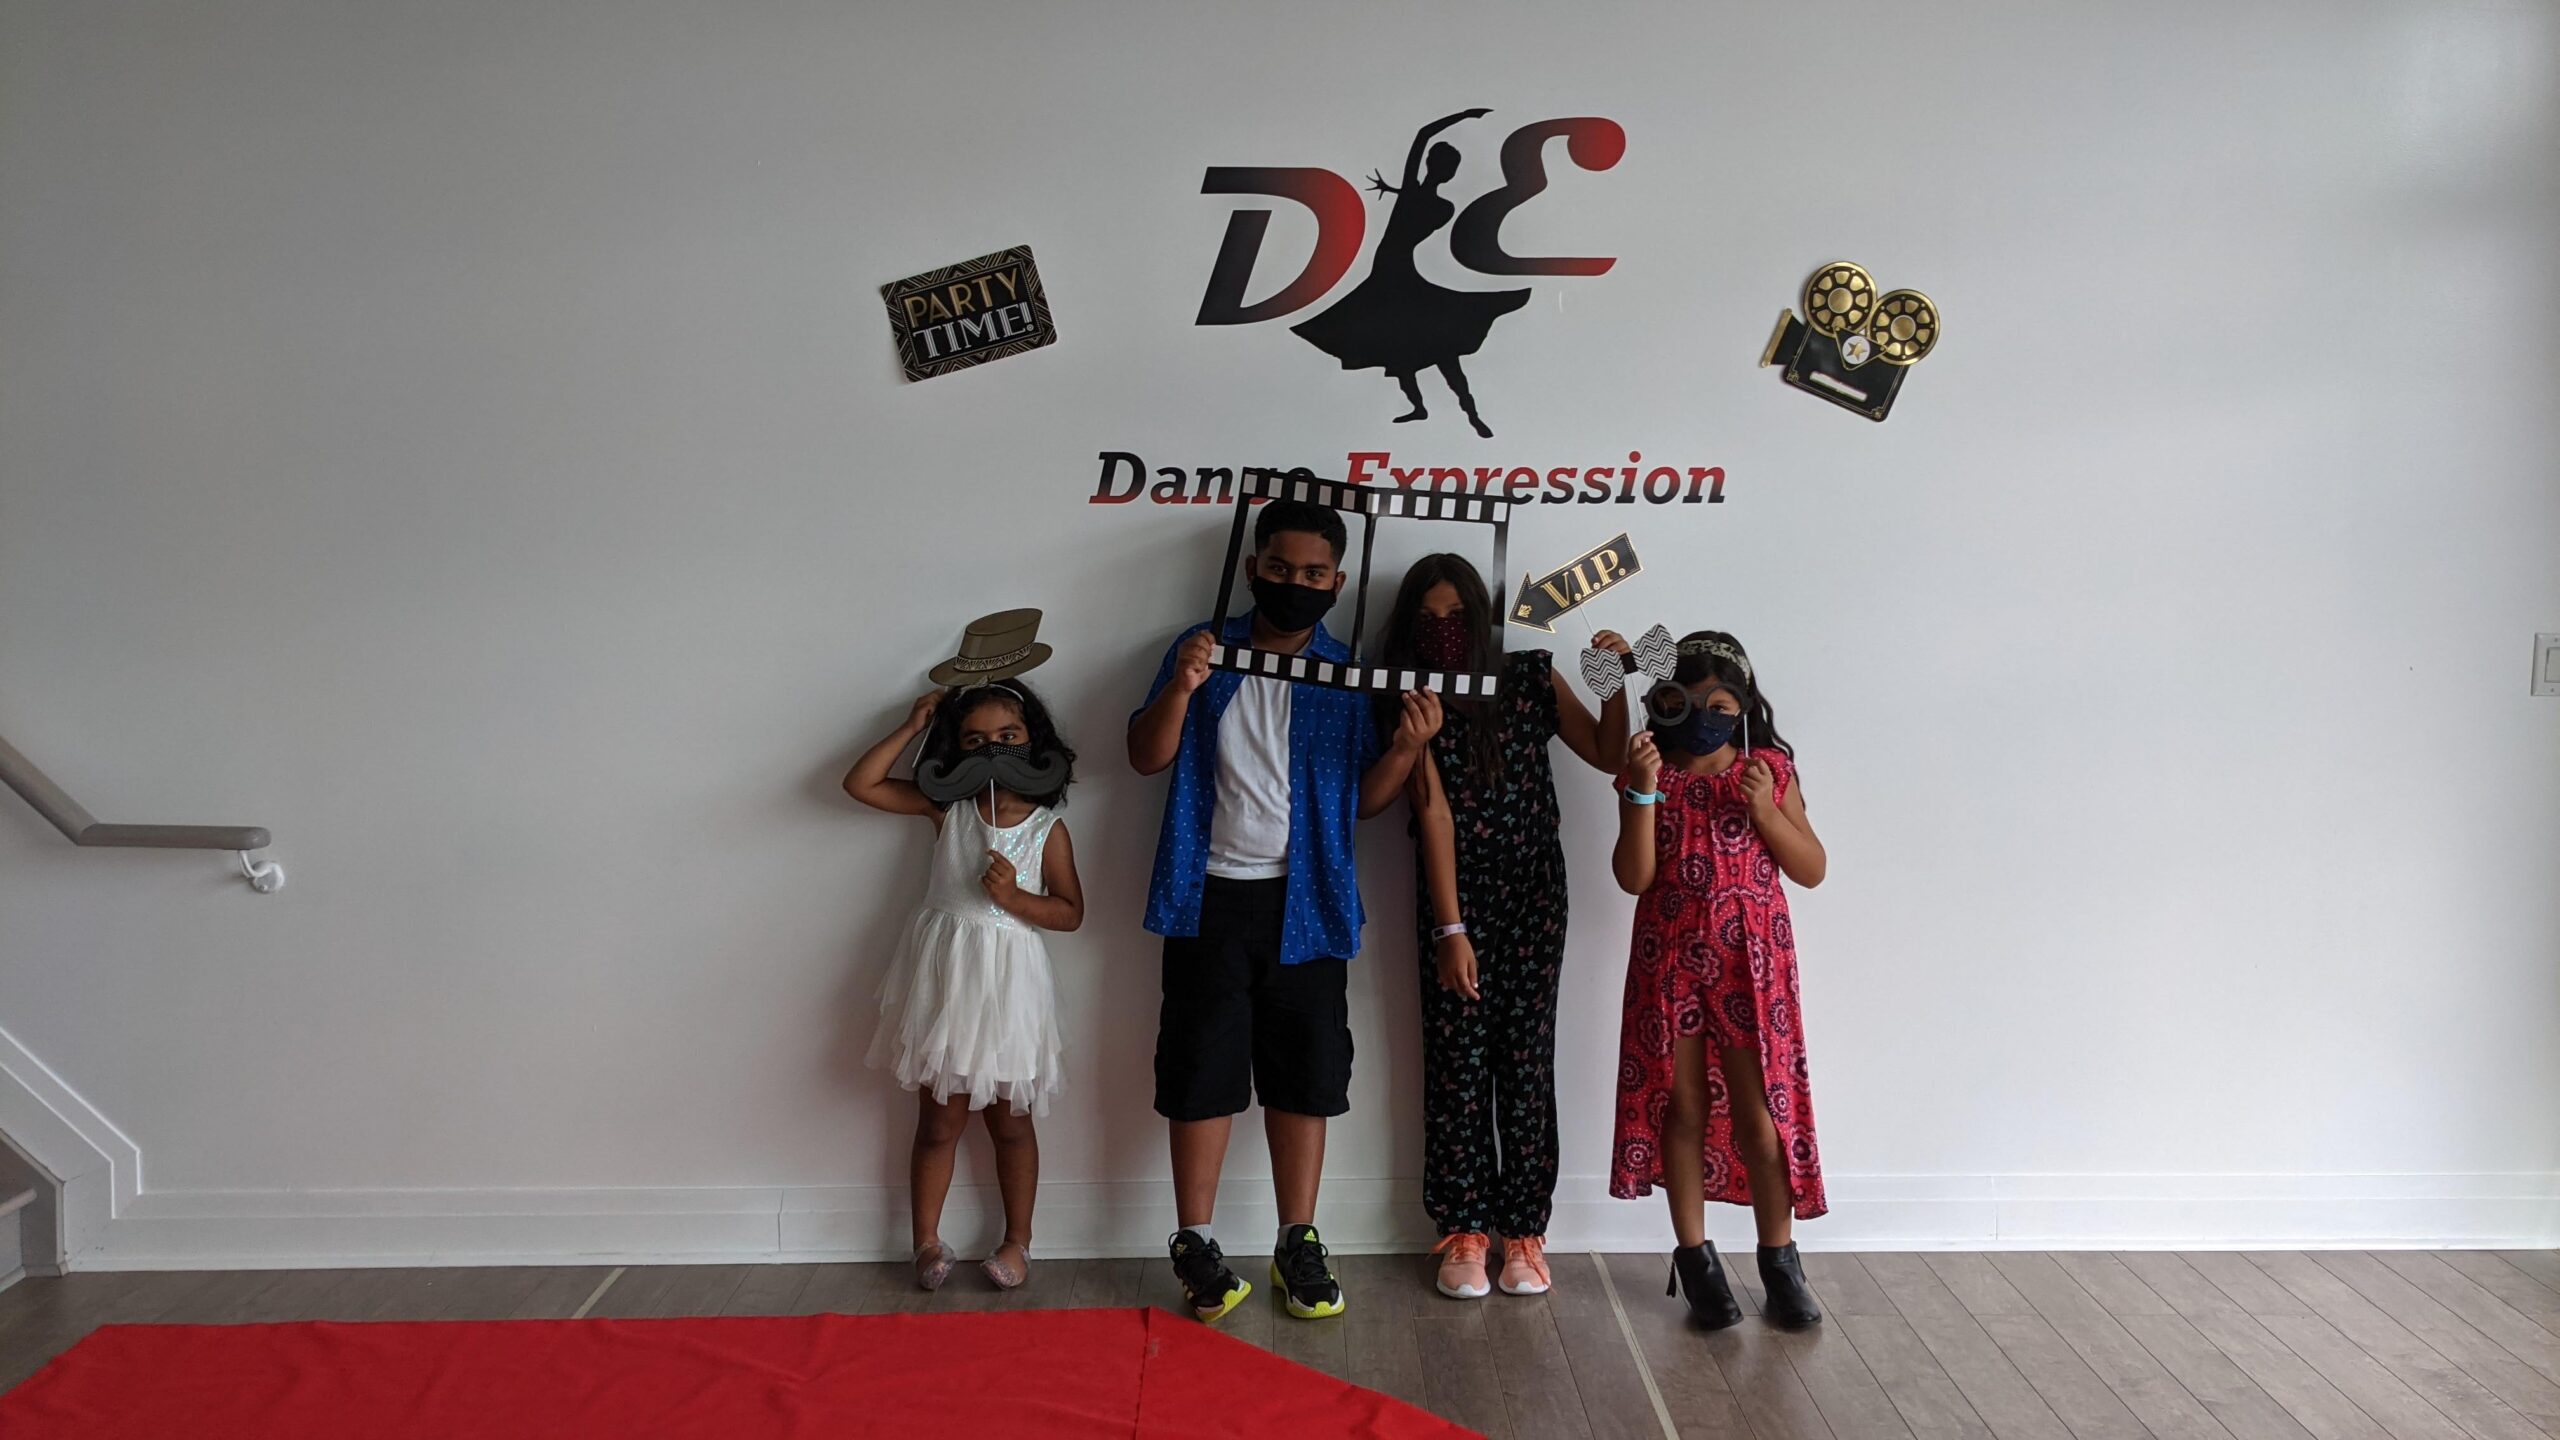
(1332,740)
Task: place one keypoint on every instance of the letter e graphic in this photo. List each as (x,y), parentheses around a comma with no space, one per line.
(1476,240)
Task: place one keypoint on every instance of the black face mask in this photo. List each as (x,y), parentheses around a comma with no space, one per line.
(1290,608)
(948,782)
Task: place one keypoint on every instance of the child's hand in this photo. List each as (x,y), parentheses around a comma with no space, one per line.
(920,714)
(1420,722)
(1457,960)
(1613,642)
(1759,785)
(1191,663)
(1003,882)
(1644,762)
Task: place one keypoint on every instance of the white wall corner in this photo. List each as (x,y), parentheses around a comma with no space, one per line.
(99,1165)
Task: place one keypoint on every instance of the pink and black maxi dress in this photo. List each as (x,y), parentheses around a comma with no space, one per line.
(1714,956)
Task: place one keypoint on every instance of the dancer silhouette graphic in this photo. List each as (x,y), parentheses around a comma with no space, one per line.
(1397,321)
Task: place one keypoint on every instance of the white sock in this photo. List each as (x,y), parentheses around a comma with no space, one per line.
(1285,1229)
(1207,1236)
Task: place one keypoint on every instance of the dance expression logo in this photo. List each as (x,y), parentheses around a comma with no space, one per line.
(1395,320)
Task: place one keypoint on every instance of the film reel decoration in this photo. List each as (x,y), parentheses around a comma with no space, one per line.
(1905,327)
(1846,324)
(1838,299)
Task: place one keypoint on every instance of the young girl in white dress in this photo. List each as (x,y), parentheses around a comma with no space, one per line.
(968,1016)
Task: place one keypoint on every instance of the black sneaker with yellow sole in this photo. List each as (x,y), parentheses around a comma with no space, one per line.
(1211,1287)
(1303,1270)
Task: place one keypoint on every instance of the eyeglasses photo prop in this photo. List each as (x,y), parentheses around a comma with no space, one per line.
(1668,706)
(1259,483)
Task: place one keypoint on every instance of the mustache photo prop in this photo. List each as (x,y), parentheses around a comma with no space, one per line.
(1008,767)
(1853,346)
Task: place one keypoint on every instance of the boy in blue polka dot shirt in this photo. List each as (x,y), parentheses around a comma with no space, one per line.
(1257,898)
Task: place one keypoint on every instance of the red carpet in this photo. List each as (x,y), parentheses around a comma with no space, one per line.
(1122,1373)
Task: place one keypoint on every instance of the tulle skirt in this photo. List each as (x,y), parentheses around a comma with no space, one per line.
(968,1008)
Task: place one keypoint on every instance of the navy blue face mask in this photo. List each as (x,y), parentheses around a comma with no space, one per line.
(1703,732)
(1680,723)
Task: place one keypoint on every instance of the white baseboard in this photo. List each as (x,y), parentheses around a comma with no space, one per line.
(265,1229)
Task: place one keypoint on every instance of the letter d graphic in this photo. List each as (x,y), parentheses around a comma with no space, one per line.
(1111,460)
(1341,224)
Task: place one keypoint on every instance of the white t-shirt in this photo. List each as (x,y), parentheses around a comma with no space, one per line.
(1249,824)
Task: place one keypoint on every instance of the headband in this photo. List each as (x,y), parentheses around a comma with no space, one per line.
(1729,653)
(956,691)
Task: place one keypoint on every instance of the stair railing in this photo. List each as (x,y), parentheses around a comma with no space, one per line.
(81,828)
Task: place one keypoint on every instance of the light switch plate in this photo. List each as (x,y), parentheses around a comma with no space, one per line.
(2546,664)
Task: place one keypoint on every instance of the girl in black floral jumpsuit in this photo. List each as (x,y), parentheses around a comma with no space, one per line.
(1490,869)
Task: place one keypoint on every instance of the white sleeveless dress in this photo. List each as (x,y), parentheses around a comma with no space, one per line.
(968,1006)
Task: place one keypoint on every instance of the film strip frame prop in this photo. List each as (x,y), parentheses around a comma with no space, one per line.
(1257,483)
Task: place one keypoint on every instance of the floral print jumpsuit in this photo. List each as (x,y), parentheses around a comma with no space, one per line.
(1489,1065)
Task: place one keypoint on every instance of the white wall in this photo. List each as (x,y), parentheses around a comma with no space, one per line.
(465,439)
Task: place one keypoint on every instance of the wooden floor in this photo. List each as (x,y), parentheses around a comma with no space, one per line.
(2084,1346)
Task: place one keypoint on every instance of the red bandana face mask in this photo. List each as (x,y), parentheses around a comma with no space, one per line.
(1440,641)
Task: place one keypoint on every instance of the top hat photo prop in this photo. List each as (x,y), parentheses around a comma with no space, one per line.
(1258,483)
(994,647)
(1853,346)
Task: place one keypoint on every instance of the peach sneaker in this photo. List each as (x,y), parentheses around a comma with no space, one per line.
(1462,1257)
(1524,1266)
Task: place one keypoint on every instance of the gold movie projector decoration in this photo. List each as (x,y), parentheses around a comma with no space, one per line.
(1853,345)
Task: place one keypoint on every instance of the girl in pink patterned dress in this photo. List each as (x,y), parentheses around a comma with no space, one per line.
(1713,1096)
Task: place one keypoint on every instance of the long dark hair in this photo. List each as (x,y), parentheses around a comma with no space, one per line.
(942,738)
(1697,663)
(1396,647)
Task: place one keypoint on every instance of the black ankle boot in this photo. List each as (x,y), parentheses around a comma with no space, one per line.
(1696,1271)
(1790,1300)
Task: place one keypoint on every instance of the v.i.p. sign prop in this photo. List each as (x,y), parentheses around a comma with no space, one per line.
(1593,571)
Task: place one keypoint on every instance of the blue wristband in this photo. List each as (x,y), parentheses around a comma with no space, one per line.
(1649,797)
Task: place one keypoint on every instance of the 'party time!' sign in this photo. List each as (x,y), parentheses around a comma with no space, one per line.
(970,313)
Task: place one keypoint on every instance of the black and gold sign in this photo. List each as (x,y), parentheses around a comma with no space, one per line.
(1592,571)
(1853,345)
(968,314)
